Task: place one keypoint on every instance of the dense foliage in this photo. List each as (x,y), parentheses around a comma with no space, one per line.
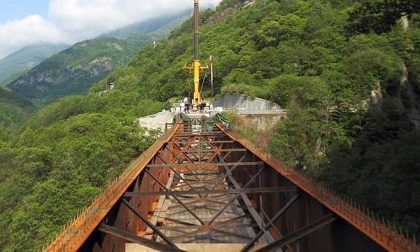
(338,88)
(295,53)
(14,109)
(62,159)
(54,164)
(63,166)
(380,16)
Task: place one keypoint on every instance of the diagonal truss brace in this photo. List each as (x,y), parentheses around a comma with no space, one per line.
(122,234)
(250,244)
(175,197)
(175,172)
(148,223)
(236,197)
(299,234)
(215,191)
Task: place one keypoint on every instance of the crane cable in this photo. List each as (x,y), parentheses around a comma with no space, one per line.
(202,84)
(189,84)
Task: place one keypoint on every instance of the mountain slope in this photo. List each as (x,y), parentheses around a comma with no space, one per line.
(160,27)
(291,52)
(14,109)
(74,70)
(26,58)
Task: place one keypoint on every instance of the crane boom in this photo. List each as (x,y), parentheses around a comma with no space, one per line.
(196,66)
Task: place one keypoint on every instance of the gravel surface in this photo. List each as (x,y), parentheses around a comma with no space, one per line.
(157,121)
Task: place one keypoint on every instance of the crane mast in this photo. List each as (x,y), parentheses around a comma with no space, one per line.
(196,66)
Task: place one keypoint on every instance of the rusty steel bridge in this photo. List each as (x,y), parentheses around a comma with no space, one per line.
(197,190)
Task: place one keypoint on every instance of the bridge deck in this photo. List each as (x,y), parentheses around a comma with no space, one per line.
(216,188)
(232,226)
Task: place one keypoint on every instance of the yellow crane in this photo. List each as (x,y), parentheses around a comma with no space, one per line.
(196,66)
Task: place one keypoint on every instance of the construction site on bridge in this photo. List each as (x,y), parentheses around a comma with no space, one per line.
(202,187)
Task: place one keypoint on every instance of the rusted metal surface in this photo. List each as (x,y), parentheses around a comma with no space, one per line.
(366,222)
(83,225)
(217,187)
(231,226)
(298,234)
(140,240)
(214,191)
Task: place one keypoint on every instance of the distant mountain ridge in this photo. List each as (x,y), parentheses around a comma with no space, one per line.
(75,69)
(154,26)
(26,58)
(72,70)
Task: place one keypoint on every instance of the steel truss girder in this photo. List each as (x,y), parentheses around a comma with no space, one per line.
(175,172)
(125,235)
(298,234)
(213,142)
(176,154)
(235,197)
(215,191)
(175,197)
(232,168)
(207,164)
(244,197)
(250,244)
(148,223)
(208,134)
(213,150)
(246,200)
(197,140)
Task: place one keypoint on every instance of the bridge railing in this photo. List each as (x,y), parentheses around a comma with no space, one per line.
(359,216)
(382,232)
(76,232)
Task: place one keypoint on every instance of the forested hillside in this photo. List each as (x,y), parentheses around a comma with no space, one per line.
(352,97)
(73,71)
(21,61)
(14,109)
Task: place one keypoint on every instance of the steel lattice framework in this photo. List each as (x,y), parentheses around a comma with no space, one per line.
(214,187)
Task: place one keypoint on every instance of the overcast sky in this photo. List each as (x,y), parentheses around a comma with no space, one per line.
(24,22)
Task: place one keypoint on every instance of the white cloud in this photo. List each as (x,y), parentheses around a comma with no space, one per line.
(19,33)
(69,21)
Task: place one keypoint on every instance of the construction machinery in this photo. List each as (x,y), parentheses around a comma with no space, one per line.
(196,67)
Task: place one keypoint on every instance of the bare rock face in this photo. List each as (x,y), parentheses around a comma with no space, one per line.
(246,105)
(376,94)
(221,16)
(47,81)
(72,71)
(405,23)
